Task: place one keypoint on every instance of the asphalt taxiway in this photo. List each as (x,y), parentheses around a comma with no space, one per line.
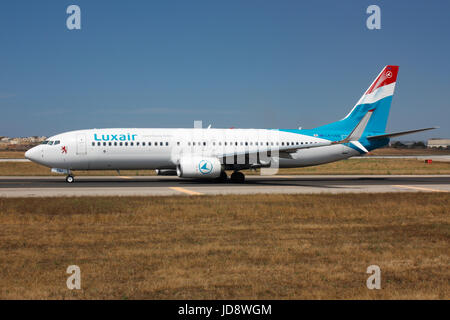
(164,186)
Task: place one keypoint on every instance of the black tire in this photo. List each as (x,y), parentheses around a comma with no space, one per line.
(238,177)
(70,179)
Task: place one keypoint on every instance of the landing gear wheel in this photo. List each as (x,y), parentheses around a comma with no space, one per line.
(70,179)
(237,177)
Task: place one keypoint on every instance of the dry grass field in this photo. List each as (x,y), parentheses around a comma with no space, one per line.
(227,247)
(12,155)
(408,152)
(351,166)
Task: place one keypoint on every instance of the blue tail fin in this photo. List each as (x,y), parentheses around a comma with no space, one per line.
(378,98)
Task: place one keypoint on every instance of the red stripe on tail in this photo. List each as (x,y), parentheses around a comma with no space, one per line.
(387,76)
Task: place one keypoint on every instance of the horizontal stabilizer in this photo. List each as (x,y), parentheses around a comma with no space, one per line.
(396,134)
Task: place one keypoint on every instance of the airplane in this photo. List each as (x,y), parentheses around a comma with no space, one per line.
(207,153)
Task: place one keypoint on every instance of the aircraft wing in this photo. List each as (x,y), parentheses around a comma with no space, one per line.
(283,151)
(286,151)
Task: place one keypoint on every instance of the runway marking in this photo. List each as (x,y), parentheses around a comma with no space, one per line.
(419,188)
(190,192)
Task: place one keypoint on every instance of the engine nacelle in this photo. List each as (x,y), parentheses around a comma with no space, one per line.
(199,167)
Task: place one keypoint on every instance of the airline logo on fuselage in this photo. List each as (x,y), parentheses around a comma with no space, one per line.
(205,166)
(115,137)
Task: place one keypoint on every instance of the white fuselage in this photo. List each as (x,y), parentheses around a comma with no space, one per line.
(107,149)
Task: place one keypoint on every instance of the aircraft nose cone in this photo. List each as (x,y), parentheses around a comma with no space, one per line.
(31,154)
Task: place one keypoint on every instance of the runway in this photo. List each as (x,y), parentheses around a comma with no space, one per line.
(166,186)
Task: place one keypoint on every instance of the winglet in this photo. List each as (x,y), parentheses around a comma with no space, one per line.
(357,132)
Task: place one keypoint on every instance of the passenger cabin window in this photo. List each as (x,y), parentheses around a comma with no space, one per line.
(98,143)
(167,144)
(93,143)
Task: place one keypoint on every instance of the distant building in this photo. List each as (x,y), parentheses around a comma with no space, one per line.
(438,143)
(22,143)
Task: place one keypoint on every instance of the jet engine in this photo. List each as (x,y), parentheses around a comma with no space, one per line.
(199,167)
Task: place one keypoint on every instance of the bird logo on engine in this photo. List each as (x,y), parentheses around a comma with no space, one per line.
(205,167)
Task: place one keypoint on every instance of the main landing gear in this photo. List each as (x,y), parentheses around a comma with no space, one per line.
(238,177)
(70,178)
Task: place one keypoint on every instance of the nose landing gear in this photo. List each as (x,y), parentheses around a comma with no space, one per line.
(70,178)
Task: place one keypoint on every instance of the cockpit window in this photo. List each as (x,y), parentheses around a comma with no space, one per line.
(50,143)
(44,142)
(56,142)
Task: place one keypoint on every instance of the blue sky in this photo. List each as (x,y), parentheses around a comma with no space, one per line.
(246,63)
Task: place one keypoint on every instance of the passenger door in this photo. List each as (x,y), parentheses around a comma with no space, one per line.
(81,144)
